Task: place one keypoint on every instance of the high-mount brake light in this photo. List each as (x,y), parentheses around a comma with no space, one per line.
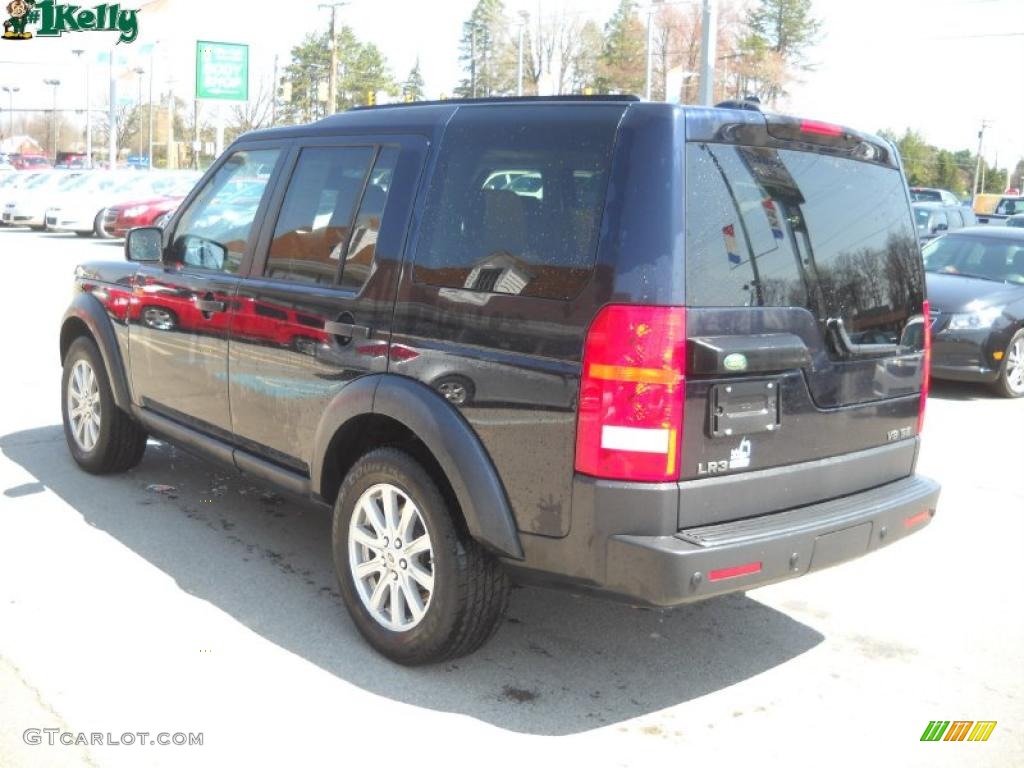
(631,394)
(821,129)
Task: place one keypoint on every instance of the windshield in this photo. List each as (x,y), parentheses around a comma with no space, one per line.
(783,228)
(988,258)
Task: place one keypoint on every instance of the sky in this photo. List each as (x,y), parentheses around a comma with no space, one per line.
(937,66)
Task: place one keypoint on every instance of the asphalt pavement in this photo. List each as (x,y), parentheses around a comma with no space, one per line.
(210,607)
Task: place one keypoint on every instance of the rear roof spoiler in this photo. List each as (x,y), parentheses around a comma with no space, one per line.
(750,126)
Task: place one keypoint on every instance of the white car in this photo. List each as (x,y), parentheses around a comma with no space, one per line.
(14,185)
(28,207)
(79,208)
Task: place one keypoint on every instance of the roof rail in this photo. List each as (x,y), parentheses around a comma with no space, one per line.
(502,100)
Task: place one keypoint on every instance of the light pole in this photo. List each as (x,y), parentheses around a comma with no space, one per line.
(53,116)
(11,90)
(88,110)
(650,49)
(709,38)
(139,71)
(524,19)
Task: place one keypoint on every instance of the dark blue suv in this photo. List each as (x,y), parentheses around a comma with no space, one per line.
(655,352)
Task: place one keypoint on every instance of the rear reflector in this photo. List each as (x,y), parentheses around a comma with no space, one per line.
(917,519)
(732,573)
(926,364)
(631,394)
(821,129)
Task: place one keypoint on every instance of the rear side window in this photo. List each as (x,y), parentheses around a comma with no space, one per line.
(362,246)
(316,217)
(515,202)
(783,228)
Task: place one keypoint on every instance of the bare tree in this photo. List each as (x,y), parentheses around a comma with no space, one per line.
(257,112)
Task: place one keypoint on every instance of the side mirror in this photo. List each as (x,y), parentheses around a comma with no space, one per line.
(941,226)
(144,244)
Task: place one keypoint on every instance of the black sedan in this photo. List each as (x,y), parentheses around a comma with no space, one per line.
(976,289)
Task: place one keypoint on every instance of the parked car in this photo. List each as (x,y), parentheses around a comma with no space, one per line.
(933,219)
(21,184)
(81,209)
(930,195)
(24,162)
(28,209)
(121,217)
(976,289)
(1005,208)
(741,286)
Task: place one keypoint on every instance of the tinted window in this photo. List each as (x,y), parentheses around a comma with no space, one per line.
(363,245)
(767,227)
(316,216)
(515,202)
(213,231)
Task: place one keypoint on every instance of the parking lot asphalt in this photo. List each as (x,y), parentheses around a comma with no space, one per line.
(212,608)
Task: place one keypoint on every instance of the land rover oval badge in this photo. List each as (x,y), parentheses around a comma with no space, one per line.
(735,362)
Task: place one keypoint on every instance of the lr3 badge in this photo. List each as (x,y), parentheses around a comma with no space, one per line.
(739,458)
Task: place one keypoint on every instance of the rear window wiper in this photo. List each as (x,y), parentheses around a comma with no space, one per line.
(848,348)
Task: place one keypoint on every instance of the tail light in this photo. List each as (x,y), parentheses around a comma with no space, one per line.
(820,129)
(926,373)
(631,394)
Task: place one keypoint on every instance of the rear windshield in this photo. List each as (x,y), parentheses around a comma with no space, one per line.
(925,195)
(785,228)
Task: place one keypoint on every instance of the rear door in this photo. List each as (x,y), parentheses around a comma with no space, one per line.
(805,292)
(315,314)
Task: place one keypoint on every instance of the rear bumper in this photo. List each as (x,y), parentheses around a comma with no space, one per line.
(665,544)
(711,560)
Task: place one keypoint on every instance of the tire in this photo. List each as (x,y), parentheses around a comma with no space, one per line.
(468,591)
(457,390)
(117,444)
(97,227)
(1011,373)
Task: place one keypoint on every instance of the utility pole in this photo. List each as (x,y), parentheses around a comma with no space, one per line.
(273,95)
(978,170)
(524,18)
(149,114)
(332,76)
(709,39)
(648,76)
(11,90)
(88,109)
(472,59)
(53,117)
(112,138)
(139,71)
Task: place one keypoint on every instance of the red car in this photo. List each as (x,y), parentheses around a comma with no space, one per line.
(118,219)
(23,162)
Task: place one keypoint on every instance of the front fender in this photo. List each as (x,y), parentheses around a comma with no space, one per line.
(87,309)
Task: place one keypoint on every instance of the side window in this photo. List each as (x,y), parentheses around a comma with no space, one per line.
(956,221)
(316,217)
(515,203)
(363,245)
(212,233)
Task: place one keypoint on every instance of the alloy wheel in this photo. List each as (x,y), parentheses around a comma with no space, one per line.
(391,557)
(1015,366)
(84,405)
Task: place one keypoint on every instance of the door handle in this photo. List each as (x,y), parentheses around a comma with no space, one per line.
(209,305)
(345,330)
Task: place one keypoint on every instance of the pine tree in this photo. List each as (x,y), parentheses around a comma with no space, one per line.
(412,88)
(622,66)
(487,53)
(780,32)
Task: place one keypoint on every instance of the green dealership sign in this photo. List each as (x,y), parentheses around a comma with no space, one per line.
(222,71)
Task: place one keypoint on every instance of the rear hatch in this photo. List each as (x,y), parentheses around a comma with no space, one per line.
(805,304)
